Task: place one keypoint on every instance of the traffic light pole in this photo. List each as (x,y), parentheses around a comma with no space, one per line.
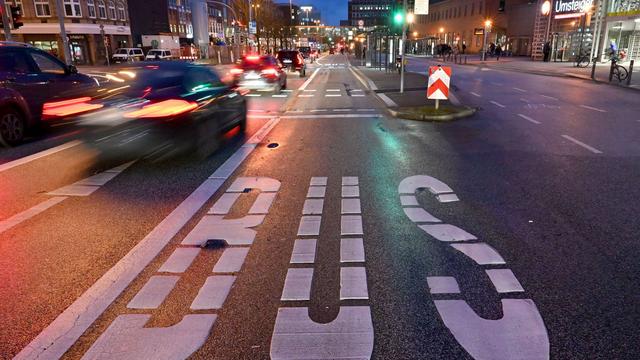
(404,45)
(63,32)
(5,21)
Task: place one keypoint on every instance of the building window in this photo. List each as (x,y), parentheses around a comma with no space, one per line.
(91,7)
(72,8)
(42,8)
(122,15)
(112,11)
(102,10)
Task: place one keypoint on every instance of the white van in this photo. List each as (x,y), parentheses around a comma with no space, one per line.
(159,54)
(128,55)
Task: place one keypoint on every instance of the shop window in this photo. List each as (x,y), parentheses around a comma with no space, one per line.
(91,7)
(112,11)
(102,10)
(43,9)
(122,15)
(72,8)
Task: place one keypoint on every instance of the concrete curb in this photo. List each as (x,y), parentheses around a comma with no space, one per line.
(408,115)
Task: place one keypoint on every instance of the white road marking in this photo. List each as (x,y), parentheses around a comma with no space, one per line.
(366,110)
(357,95)
(296,336)
(350,191)
(235,232)
(336,116)
(593,108)
(351,250)
(65,330)
(350,206)
(349,180)
(333,95)
(316,191)
(213,293)
(549,97)
(447,198)
(333,89)
(297,284)
(418,214)
(518,89)
(309,80)
(314,90)
(411,184)
(263,203)
(304,251)
(253,95)
(474,94)
(447,232)
(408,200)
(351,225)
(313,207)
(371,84)
(305,96)
(27,159)
(279,95)
(88,186)
(128,338)
(578,142)
(443,285)
(153,292)
(18,218)
(353,283)
(287,90)
(318,181)
(497,104)
(231,260)
(263,183)
(341,110)
(224,204)
(357,90)
(309,225)
(504,280)
(529,119)
(481,253)
(180,260)
(387,100)
(319,110)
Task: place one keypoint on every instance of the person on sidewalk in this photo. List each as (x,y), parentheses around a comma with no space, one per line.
(546,52)
(492,49)
(464,47)
(498,51)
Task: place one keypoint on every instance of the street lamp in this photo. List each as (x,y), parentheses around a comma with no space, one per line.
(487,28)
(546,11)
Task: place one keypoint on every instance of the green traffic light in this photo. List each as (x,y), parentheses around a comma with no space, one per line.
(398,18)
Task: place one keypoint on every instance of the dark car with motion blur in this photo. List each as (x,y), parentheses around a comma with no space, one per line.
(293,60)
(159,109)
(260,72)
(30,79)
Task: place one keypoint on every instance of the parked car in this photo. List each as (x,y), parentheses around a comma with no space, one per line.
(168,107)
(293,60)
(124,55)
(159,54)
(31,80)
(257,72)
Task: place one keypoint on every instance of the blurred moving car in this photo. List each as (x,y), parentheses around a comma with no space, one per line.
(160,108)
(159,54)
(124,55)
(29,78)
(257,72)
(293,60)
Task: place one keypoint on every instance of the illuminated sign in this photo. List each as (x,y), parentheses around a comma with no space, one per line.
(421,7)
(563,7)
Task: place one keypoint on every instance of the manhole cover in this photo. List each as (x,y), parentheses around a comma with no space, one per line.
(273,145)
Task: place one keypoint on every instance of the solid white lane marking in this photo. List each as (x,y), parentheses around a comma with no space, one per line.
(231,260)
(353,283)
(304,251)
(519,334)
(336,116)
(153,292)
(447,232)
(349,180)
(224,204)
(481,253)
(235,232)
(18,218)
(180,260)
(593,108)
(351,225)
(75,190)
(549,97)
(408,200)
(447,198)
(578,142)
(88,186)
(296,336)
(318,181)
(350,206)
(504,280)
(443,285)
(333,95)
(350,191)
(529,119)
(518,89)
(297,285)
(305,96)
(98,179)
(313,207)
(419,214)
(263,203)
(309,80)
(128,338)
(351,250)
(27,159)
(497,104)
(213,293)
(474,94)
(309,225)
(316,191)
(387,100)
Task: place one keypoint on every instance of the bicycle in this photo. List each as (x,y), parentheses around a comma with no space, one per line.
(583,60)
(618,71)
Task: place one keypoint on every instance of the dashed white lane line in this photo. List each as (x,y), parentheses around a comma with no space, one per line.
(375,110)
(333,90)
(357,90)
(65,330)
(518,89)
(231,260)
(297,284)
(310,90)
(304,251)
(180,260)
(342,110)
(305,96)
(549,97)
(16,219)
(313,207)
(153,292)
(279,95)
(497,104)
(529,119)
(253,95)
(504,281)
(443,285)
(213,293)
(474,94)
(309,80)
(349,180)
(350,191)
(593,108)
(357,95)
(316,191)
(309,226)
(481,253)
(351,225)
(351,206)
(580,143)
(319,110)
(318,181)
(353,283)
(27,159)
(333,95)
(351,250)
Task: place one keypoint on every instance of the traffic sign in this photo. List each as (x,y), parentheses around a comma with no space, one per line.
(439,80)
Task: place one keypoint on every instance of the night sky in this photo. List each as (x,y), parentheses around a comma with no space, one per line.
(332,10)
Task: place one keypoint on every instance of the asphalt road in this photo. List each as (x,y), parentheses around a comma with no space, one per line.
(364,251)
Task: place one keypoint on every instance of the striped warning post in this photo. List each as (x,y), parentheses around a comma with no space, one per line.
(439,79)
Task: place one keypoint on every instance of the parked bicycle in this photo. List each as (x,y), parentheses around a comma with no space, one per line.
(583,60)
(618,71)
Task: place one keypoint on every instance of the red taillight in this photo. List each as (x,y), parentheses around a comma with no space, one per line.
(236,71)
(162,109)
(270,72)
(68,107)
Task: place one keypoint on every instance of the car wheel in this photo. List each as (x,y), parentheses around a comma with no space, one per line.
(12,127)
(207,139)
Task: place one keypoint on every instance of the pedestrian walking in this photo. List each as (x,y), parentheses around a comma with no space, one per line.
(498,51)
(546,52)
(464,48)
(492,49)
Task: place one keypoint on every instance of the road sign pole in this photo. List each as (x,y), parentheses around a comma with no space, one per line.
(5,21)
(63,32)
(402,46)
(437,104)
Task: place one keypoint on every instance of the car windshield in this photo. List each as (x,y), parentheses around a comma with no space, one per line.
(121,52)
(155,52)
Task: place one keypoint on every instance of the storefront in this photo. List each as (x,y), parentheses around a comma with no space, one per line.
(571,29)
(622,29)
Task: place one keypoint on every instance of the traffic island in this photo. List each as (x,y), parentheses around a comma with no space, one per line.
(429,113)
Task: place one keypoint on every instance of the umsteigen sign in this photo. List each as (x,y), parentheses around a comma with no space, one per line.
(570,7)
